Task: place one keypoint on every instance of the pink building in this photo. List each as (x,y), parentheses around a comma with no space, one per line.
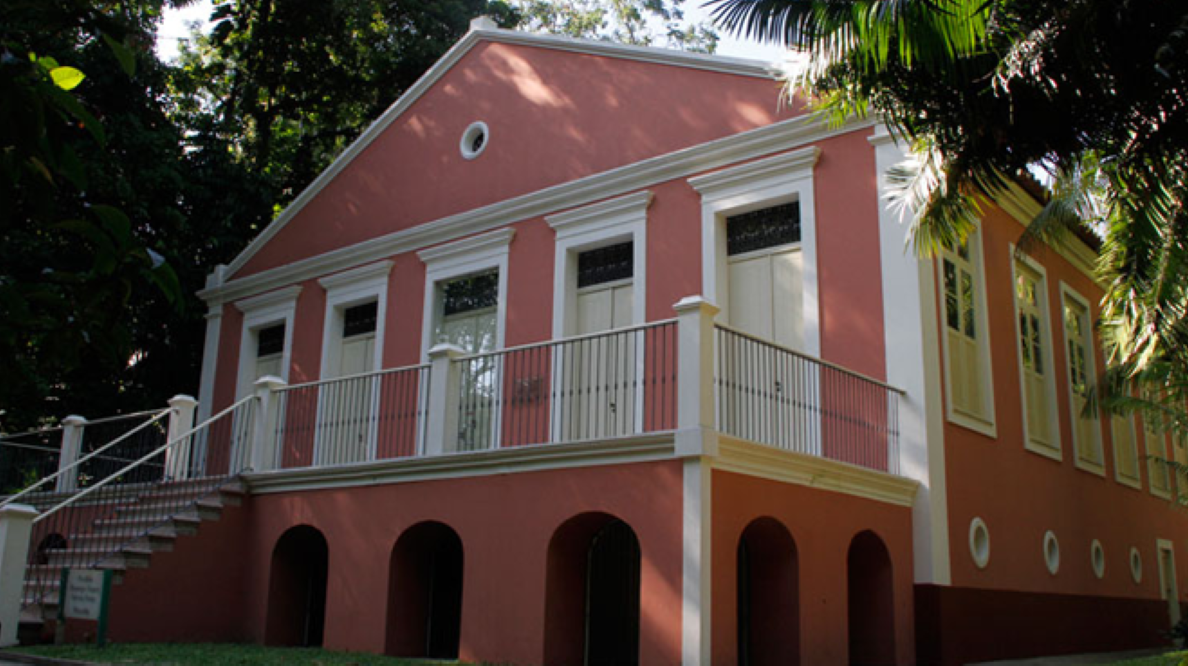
(595,354)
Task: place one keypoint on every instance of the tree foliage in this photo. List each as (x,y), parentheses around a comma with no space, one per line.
(1094,91)
(637,22)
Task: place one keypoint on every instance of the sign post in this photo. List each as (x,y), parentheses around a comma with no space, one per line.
(85,595)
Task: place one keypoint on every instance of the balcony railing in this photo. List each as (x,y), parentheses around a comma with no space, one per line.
(777,396)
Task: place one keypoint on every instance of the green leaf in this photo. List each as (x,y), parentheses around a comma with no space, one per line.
(122,53)
(67,78)
(115,222)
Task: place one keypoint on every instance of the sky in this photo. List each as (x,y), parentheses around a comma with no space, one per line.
(176,27)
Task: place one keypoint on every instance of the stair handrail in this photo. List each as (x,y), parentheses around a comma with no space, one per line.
(156,452)
(160,415)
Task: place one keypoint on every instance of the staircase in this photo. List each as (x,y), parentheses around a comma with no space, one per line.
(125,537)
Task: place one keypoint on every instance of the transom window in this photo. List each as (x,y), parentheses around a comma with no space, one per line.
(763,228)
(359,319)
(470,293)
(605,264)
(270,341)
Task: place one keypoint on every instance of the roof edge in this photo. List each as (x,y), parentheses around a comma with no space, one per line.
(721,64)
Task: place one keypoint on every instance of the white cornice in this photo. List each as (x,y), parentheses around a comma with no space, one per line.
(1021,206)
(379,269)
(775,138)
(278,297)
(815,472)
(496,241)
(750,175)
(606,213)
(737,66)
(459,465)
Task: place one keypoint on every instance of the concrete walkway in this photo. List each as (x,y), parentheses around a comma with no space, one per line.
(1076,659)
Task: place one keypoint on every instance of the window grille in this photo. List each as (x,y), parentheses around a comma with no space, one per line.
(474,292)
(360,319)
(605,264)
(764,228)
(270,340)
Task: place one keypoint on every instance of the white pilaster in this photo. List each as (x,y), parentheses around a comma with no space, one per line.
(696,584)
(913,364)
(72,436)
(16,526)
(210,346)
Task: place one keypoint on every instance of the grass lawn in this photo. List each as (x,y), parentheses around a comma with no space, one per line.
(221,654)
(1169,659)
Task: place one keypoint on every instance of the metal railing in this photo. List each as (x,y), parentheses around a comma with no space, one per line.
(596,386)
(72,476)
(774,395)
(27,458)
(112,522)
(360,418)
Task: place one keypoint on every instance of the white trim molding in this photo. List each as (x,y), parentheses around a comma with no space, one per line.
(347,289)
(770,181)
(605,223)
(274,307)
(1023,208)
(782,136)
(977,260)
(467,256)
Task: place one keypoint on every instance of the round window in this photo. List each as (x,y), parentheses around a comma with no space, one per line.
(979,542)
(1051,552)
(475,140)
(1097,558)
(1136,565)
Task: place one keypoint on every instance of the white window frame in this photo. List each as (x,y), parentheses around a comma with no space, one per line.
(458,259)
(1137,481)
(348,289)
(260,312)
(989,425)
(606,223)
(771,181)
(1044,305)
(1068,294)
(1162,546)
(1165,493)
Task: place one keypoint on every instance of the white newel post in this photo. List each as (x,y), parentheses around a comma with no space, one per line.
(263,450)
(696,434)
(444,384)
(181,421)
(697,443)
(72,437)
(16,526)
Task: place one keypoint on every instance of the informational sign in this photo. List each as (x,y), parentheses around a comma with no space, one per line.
(84,597)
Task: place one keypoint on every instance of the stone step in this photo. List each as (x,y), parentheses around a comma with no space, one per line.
(181,525)
(130,557)
(157,539)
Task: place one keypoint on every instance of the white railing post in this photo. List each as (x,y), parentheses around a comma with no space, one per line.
(72,437)
(696,430)
(16,527)
(263,450)
(181,420)
(444,384)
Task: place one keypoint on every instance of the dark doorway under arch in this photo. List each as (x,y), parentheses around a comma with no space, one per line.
(297,589)
(425,593)
(871,602)
(592,595)
(768,595)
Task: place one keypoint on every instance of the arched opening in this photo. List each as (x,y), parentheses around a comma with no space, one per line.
(592,593)
(768,595)
(871,602)
(425,593)
(52,541)
(297,589)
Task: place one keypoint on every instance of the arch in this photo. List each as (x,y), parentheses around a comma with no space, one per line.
(52,541)
(871,601)
(297,588)
(768,595)
(425,593)
(592,593)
